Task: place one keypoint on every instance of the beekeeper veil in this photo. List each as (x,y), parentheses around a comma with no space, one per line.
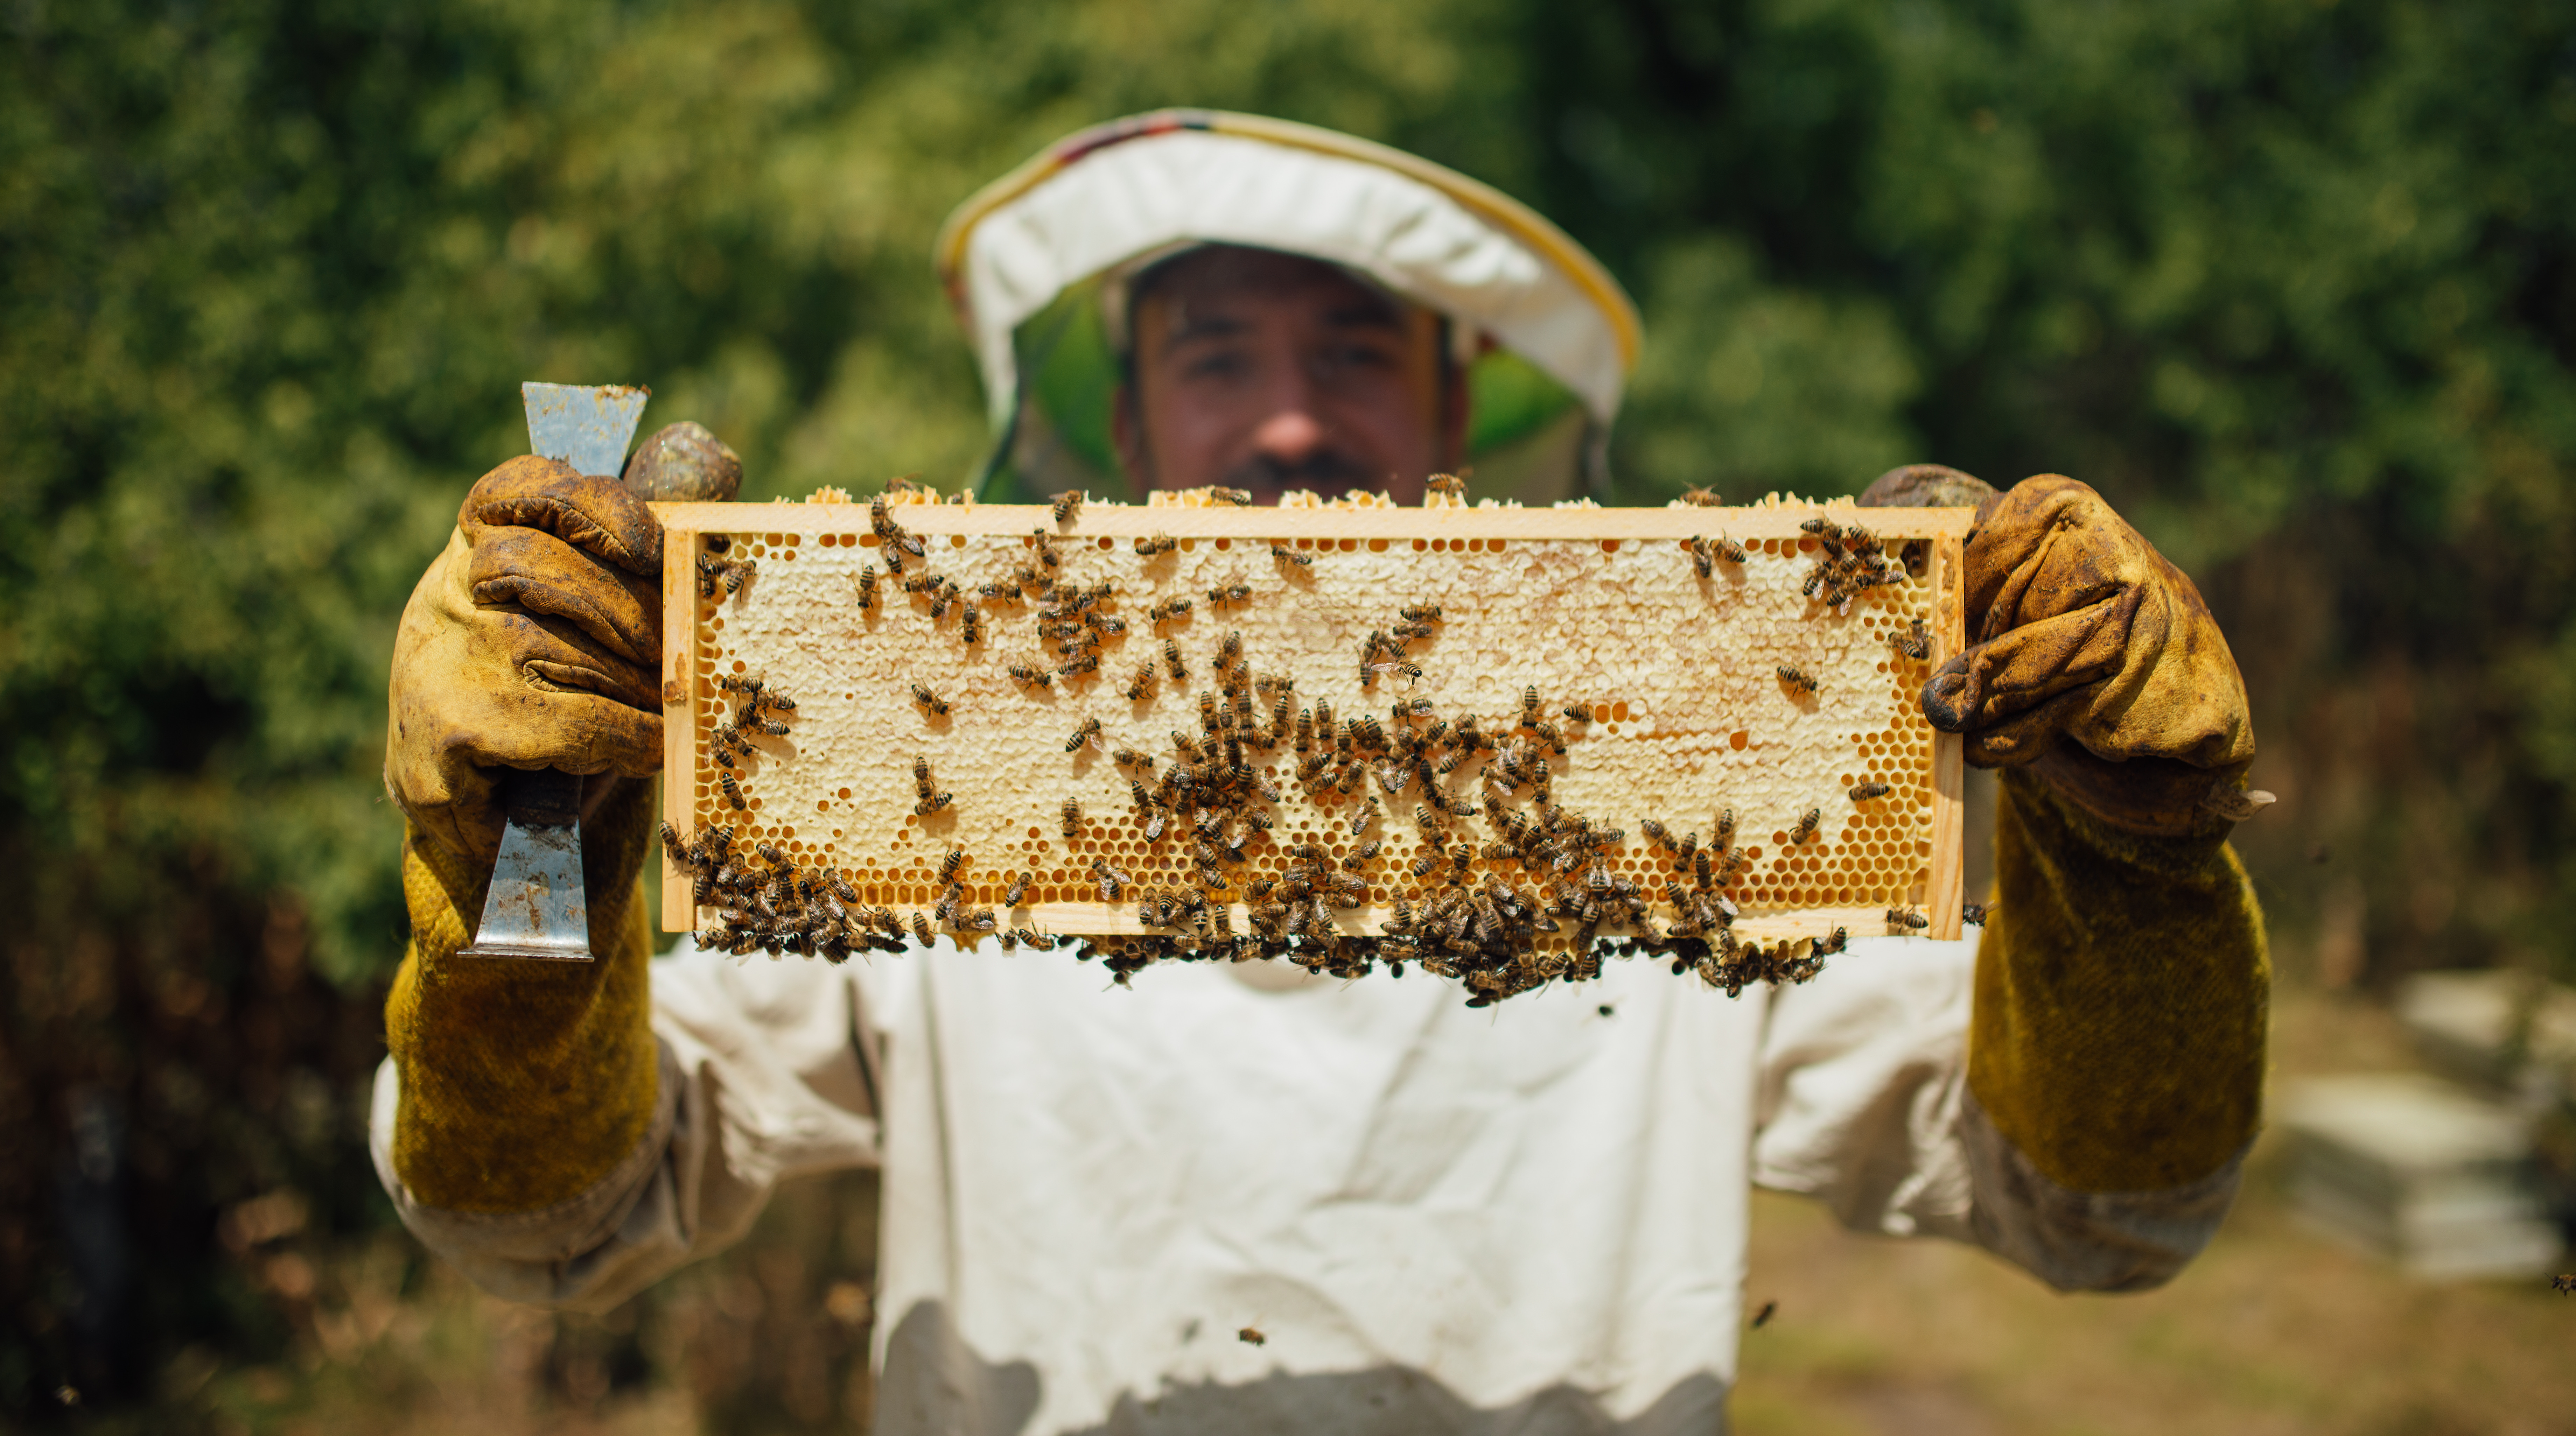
(1039,266)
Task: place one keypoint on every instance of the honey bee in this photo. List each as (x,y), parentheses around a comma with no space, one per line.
(1032,677)
(738,573)
(1450,484)
(1283,553)
(937,706)
(1703,558)
(1727,549)
(867,586)
(1251,1336)
(1111,881)
(1169,608)
(1361,855)
(1655,833)
(1914,642)
(1089,730)
(1072,817)
(1828,946)
(732,790)
(1229,593)
(921,930)
(1974,914)
(1822,527)
(1902,920)
(1142,684)
(1579,712)
(1172,659)
(1806,827)
(1156,546)
(1067,504)
(1414,632)
(932,803)
(954,859)
(1797,678)
(1863,792)
(1366,815)
(1046,549)
(921,773)
(1156,821)
(1703,497)
(1240,498)
(970,624)
(1129,757)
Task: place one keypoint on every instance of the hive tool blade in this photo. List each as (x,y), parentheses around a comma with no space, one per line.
(537,907)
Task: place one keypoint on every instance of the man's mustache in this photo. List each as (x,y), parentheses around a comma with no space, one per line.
(1323,470)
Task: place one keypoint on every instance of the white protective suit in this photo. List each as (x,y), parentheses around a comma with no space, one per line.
(1528,1218)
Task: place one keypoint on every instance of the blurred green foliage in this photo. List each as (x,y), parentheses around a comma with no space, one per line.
(2294,281)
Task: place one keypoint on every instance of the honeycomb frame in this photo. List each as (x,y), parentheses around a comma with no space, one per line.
(1581,602)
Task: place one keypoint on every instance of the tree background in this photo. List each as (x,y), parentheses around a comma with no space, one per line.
(2292,281)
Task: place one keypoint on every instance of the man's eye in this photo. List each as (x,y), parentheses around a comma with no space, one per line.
(1219,365)
(1357,356)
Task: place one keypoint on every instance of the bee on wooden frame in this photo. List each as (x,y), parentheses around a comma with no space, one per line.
(1902,920)
(1067,504)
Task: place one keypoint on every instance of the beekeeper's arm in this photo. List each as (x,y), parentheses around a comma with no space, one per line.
(529,1124)
(2111,1078)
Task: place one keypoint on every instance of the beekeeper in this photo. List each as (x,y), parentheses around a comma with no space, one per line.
(1527,1219)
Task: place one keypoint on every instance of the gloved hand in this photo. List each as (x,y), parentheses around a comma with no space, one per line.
(533,642)
(2078,629)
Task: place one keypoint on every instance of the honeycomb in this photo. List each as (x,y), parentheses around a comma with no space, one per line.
(1600,609)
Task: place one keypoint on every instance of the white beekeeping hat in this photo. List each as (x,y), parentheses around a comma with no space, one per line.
(1036,265)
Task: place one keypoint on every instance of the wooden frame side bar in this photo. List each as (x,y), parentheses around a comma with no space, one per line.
(679,710)
(1949,778)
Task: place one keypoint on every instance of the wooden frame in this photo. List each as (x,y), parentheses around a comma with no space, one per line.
(1944,529)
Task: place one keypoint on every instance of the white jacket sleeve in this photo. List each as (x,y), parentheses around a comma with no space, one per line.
(769,1071)
(1862,1101)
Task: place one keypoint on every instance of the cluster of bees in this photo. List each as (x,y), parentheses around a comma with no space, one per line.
(1382,653)
(716,572)
(1850,560)
(765,901)
(755,705)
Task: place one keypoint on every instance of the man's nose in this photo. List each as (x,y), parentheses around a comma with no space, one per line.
(1290,435)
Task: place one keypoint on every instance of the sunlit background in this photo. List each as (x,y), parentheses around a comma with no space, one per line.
(2292,281)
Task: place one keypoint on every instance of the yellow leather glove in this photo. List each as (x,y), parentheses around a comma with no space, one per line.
(532,642)
(2122,981)
(2079,630)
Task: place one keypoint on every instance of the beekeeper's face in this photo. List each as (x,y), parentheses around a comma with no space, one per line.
(1268,371)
